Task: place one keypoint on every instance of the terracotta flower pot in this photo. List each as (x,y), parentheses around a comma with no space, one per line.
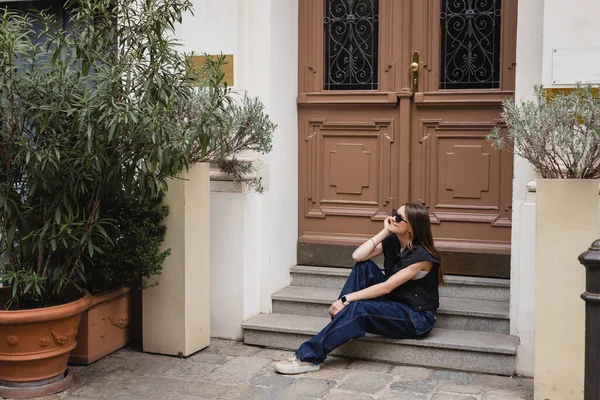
(35,346)
(113,320)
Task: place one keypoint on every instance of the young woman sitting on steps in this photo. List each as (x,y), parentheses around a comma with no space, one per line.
(398,303)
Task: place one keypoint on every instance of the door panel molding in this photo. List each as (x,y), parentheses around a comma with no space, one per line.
(354,99)
(433,176)
(475,97)
(368,149)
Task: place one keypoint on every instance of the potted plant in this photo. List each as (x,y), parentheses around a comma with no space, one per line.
(559,135)
(85,108)
(119,273)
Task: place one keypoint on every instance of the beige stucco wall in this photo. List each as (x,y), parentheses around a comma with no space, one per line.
(563,231)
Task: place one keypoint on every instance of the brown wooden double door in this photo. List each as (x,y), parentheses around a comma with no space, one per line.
(374,134)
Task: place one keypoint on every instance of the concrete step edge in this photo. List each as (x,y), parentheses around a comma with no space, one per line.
(448,305)
(450,279)
(439,338)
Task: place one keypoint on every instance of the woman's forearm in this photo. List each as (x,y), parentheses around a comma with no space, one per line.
(364,250)
(392,283)
(371,292)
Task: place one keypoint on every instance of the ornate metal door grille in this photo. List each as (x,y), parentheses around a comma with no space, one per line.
(470,44)
(351,37)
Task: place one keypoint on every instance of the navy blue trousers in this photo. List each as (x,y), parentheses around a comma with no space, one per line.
(379,316)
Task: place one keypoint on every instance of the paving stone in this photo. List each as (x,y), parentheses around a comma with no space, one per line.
(105,365)
(133,375)
(66,396)
(82,379)
(499,382)
(372,366)
(450,396)
(288,393)
(124,354)
(216,345)
(108,385)
(310,387)
(336,363)
(272,381)
(204,389)
(461,389)
(157,387)
(208,358)
(237,371)
(526,384)
(411,373)
(275,355)
(270,369)
(347,396)
(401,396)
(460,378)
(245,392)
(189,370)
(128,396)
(328,373)
(238,349)
(365,382)
(150,364)
(186,397)
(423,387)
(156,395)
(506,395)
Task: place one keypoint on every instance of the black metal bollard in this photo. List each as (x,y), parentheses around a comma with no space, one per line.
(591,296)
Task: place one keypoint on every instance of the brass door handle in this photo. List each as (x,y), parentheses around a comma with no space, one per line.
(414,67)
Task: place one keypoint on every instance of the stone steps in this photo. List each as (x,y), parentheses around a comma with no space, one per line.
(471,332)
(471,351)
(454,313)
(464,287)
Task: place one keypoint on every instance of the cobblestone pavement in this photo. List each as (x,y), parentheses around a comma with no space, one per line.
(232,370)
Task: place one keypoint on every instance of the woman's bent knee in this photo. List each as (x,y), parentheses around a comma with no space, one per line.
(368,264)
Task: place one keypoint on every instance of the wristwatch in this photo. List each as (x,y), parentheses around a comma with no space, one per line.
(345,301)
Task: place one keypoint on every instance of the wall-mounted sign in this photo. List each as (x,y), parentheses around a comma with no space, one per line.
(198,61)
(576,64)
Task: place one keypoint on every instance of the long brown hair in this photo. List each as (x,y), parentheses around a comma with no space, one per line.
(418,219)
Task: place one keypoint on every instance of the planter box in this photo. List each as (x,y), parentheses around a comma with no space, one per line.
(176,312)
(566,223)
(112,321)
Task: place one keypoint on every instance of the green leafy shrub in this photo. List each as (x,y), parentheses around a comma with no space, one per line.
(83,111)
(137,233)
(220,124)
(105,104)
(559,136)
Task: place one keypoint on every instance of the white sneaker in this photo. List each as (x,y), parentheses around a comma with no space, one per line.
(293,366)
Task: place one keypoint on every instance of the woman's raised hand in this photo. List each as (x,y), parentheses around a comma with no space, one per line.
(387,223)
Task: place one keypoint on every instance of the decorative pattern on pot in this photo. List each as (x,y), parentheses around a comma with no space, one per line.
(43,342)
(121,322)
(62,339)
(12,340)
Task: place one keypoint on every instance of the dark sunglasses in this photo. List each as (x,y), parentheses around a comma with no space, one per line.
(397,216)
